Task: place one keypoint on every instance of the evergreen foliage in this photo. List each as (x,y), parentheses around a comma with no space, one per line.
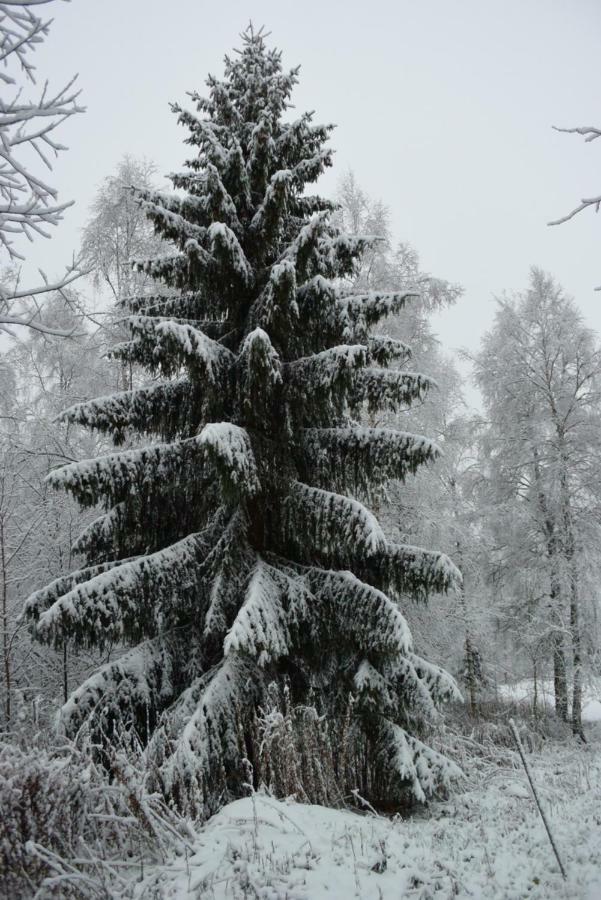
(235,551)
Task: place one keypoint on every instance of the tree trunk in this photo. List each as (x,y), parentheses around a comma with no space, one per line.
(472,669)
(471,675)
(65,673)
(5,641)
(570,553)
(555,594)
(535,681)
(577,660)
(559,677)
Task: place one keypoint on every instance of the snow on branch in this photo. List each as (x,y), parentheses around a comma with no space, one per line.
(385,350)
(210,201)
(347,533)
(163,211)
(107,608)
(358,612)
(405,569)
(327,380)
(372,687)
(273,207)
(163,408)
(300,135)
(392,389)
(206,255)
(28,202)
(100,534)
(424,768)
(226,248)
(228,568)
(43,599)
(320,249)
(585,203)
(113,477)
(359,312)
(210,740)
(309,169)
(193,345)
(141,679)
(356,457)
(259,376)
(276,304)
(441,686)
(332,523)
(19,307)
(229,448)
(424,685)
(262,626)
(165,345)
(590,133)
(404,679)
(329,363)
(206,311)
(204,134)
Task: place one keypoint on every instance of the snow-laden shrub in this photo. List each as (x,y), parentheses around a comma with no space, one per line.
(491,725)
(484,746)
(43,801)
(64,822)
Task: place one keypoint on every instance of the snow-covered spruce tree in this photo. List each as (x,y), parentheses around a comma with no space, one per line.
(234,551)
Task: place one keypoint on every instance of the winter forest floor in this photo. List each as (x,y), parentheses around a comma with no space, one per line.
(486,841)
(66,831)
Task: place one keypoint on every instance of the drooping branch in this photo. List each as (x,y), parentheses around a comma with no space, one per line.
(595,202)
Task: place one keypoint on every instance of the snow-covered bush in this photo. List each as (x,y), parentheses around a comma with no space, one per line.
(43,801)
(63,823)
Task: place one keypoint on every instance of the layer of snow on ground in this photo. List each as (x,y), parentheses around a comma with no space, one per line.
(487,842)
(523,691)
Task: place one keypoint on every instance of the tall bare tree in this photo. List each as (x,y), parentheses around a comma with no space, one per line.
(118,233)
(539,372)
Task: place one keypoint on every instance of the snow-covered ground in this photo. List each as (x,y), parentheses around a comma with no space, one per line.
(523,691)
(486,842)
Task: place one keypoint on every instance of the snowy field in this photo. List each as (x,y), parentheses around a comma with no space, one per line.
(486,842)
(523,691)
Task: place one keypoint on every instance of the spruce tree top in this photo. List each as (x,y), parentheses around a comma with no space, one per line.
(225,552)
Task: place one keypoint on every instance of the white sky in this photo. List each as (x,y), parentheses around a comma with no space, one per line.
(444,110)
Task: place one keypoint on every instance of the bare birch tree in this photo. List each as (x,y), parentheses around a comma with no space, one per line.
(539,372)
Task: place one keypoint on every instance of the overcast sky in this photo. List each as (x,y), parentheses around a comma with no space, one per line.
(444,111)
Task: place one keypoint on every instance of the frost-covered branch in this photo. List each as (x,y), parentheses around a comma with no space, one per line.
(28,203)
(589,133)
(594,202)
(19,307)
